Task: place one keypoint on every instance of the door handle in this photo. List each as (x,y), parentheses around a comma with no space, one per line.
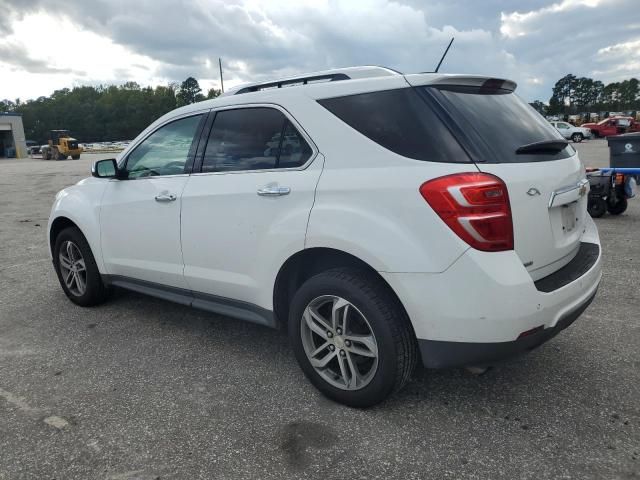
(273,190)
(165,197)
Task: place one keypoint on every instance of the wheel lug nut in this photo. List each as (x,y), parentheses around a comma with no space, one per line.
(347,343)
(329,334)
(342,353)
(339,331)
(332,347)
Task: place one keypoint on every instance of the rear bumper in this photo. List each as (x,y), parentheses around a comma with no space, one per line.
(479,308)
(438,354)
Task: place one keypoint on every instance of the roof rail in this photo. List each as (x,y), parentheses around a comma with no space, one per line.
(333,77)
(337,74)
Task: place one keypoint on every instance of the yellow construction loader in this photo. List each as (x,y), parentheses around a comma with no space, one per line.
(61,146)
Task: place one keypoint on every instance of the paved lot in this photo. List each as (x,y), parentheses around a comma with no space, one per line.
(143,389)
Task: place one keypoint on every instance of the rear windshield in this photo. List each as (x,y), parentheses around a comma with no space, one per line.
(401,121)
(502,120)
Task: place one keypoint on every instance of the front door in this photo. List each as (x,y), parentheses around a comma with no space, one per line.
(248,208)
(140,216)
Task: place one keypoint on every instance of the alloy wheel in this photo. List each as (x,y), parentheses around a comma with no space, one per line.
(339,342)
(72,268)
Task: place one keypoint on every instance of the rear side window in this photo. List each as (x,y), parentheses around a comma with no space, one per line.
(294,150)
(400,121)
(253,139)
(502,120)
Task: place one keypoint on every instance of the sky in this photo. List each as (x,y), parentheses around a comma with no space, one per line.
(51,44)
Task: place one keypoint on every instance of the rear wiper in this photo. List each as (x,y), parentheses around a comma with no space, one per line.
(546,146)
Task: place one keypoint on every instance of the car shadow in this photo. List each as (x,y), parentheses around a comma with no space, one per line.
(541,376)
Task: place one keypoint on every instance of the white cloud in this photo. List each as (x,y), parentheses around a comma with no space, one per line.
(157,41)
(518,24)
(72,56)
(625,57)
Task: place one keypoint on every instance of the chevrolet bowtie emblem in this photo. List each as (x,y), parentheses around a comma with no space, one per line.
(583,190)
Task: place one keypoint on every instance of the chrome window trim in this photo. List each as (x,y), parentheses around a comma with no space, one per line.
(150,177)
(314,148)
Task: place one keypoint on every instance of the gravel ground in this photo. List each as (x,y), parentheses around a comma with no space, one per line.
(143,389)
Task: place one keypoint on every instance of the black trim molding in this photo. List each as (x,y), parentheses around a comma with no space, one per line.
(586,258)
(203,301)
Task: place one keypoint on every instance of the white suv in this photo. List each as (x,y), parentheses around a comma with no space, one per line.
(577,134)
(379,217)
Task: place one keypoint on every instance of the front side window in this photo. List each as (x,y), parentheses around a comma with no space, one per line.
(563,126)
(257,138)
(165,151)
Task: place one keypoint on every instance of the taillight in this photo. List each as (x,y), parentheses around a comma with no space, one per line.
(475,206)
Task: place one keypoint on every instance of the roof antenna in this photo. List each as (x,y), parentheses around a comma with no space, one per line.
(444,55)
(221,81)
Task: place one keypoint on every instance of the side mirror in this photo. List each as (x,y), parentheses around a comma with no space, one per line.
(105,169)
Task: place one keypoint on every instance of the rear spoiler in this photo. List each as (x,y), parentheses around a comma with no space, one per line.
(437,79)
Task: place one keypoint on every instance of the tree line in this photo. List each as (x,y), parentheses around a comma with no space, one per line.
(107,113)
(572,95)
(103,113)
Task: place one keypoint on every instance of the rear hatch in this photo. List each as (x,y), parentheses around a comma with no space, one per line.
(505,137)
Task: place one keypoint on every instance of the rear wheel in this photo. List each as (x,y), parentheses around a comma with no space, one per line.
(351,337)
(617,208)
(76,268)
(75,157)
(577,137)
(596,207)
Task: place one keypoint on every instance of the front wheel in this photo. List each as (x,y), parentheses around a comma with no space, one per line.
(351,337)
(617,208)
(76,268)
(75,157)
(577,137)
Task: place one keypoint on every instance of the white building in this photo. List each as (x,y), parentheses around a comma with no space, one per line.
(12,135)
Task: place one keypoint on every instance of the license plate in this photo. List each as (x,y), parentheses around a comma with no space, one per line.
(568,217)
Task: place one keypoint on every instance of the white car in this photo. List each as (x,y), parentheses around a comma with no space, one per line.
(568,131)
(399,225)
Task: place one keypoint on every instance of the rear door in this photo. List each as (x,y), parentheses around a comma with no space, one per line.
(247,209)
(544,176)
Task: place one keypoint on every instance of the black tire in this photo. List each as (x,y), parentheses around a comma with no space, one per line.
(617,208)
(75,157)
(95,292)
(596,207)
(577,137)
(62,156)
(396,343)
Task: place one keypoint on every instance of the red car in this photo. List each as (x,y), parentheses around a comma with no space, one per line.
(613,126)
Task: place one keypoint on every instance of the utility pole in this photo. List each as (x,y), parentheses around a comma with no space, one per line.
(221,81)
